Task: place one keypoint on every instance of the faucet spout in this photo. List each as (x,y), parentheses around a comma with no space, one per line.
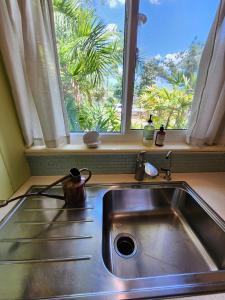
(168,154)
(140,166)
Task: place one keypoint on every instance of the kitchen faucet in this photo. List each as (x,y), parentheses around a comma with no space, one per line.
(168,171)
(140,166)
(143,167)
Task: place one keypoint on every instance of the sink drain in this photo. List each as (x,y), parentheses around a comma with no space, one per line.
(125,245)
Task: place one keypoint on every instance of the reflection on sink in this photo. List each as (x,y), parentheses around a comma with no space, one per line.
(159,231)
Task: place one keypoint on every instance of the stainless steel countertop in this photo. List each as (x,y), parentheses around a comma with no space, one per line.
(50,251)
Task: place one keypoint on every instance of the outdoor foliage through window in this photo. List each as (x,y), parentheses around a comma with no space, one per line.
(171,37)
(90,37)
(90,42)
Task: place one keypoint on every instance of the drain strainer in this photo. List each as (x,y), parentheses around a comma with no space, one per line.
(125,245)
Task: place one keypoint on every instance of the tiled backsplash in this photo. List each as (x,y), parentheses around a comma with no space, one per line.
(125,163)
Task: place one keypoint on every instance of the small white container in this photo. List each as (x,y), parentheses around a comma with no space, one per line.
(91,139)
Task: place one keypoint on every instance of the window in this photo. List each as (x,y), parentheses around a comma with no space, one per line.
(171,37)
(90,42)
(121,61)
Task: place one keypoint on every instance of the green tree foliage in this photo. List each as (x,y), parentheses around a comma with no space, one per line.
(168,105)
(89,53)
(166,88)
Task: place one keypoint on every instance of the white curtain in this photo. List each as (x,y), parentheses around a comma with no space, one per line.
(207,121)
(29,53)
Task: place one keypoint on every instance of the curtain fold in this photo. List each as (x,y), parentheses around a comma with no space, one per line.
(29,53)
(207,120)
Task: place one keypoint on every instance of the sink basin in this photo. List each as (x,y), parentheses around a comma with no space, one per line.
(159,231)
(130,241)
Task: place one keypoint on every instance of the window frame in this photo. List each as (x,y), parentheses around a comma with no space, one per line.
(127,134)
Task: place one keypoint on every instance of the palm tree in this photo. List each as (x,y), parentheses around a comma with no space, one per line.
(88,51)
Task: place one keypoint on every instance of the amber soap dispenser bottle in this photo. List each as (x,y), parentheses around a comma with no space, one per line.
(160,136)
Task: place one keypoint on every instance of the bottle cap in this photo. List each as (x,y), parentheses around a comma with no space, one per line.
(161,128)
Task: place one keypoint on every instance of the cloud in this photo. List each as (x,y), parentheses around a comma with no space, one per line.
(176,57)
(154,2)
(115,3)
(112,27)
(158,57)
(171,56)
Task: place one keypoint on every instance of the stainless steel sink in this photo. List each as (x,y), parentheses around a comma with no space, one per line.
(158,231)
(130,241)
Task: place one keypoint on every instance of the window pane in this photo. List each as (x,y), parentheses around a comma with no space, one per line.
(171,37)
(90,41)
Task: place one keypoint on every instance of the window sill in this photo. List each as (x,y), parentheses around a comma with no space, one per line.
(106,148)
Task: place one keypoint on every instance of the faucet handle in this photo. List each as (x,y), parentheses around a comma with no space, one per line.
(167,175)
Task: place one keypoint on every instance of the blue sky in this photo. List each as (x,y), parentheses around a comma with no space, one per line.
(171,24)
